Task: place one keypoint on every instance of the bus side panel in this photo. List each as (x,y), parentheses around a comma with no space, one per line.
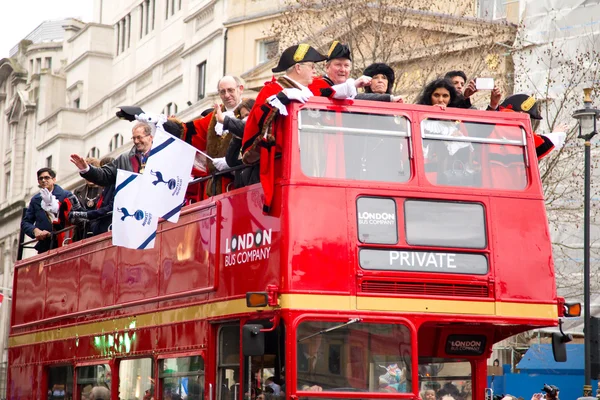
(62,284)
(25,383)
(524,267)
(98,268)
(138,273)
(318,236)
(30,288)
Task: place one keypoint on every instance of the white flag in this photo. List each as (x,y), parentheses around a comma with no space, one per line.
(167,172)
(134,223)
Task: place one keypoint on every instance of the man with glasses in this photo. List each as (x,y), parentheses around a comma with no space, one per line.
(209,135)
(43,210)
(134,161)
(261,135)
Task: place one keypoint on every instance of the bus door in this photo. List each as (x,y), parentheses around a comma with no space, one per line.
(227,363)
(263,372)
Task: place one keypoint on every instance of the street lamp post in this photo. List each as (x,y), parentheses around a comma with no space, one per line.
(587,130)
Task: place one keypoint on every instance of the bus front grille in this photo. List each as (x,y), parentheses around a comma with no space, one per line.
(425,288)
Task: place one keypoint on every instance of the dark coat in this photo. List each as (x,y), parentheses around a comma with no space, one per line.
(101,219)
(36,217)
(107,174)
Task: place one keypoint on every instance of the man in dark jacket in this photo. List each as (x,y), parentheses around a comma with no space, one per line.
(134,161)
(37,223)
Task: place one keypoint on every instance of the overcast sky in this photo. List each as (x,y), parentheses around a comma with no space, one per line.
(19,17)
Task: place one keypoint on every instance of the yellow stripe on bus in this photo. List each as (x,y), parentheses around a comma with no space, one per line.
(291,301)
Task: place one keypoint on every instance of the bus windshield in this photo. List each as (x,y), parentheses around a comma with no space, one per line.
(358,357)
(354,146)
(472,154)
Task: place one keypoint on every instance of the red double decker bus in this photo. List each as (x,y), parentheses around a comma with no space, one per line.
(403,242)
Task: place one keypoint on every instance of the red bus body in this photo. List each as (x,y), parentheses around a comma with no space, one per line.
(95,307)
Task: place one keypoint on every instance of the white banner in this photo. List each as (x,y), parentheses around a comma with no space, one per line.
(167,171)
(134,222)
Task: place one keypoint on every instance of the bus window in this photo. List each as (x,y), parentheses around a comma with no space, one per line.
(91,377)
(229,363)
(354,146)
(136,378)
(470,154)
(447,379)
(60,383)
(355,357)
(265,372)
(182,378)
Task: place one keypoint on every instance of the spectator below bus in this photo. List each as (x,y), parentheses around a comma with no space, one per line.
(382,82)
(98,220)
(100,393)
(524,103)
(43,209)
(459,79)
(134,161)
(428,394)
(439,92)
(262,138)
(336,83)
(88,195)
(270,383)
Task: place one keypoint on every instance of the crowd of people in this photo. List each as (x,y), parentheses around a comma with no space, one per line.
(242,131)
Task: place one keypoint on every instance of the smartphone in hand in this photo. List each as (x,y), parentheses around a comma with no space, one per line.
(484,83)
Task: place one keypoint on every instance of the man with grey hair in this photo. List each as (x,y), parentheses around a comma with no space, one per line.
(134,161)
(207,134)
(100,393)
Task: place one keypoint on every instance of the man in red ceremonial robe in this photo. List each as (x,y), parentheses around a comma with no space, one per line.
(336,83)
(544,144)
(261,135)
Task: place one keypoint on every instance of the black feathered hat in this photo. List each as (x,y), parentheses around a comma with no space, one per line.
(129,112)
(381,68)
(521,102)
(338,50)
(297,54)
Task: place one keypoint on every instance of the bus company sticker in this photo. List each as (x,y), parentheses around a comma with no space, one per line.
(248,247)
(465,345)
(423,261)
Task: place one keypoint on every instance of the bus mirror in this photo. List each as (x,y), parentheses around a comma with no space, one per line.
(572,309)
(253,340)
(559,346)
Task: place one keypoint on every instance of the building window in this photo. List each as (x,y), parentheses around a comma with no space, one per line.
(94,152)
(492,9)
(38,65)
(12,129)
(123,34)
(267,49)
(31,71)
(76,103)
(147,8)
(115,142)
(170,109)
(201,71)
(49,162)
(48,63)
(172,6)
(7,187)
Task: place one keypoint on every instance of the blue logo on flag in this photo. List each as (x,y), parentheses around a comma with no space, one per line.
(138,215)
(173,184)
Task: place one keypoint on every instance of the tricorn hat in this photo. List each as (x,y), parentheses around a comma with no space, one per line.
(381,68)
(297,54)
(521,102)
(338,50)
(129,112)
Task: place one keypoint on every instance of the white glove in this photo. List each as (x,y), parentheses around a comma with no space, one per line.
(220,163)
(49,201)
(274,102)
(346,90)
(297,94)
(557,138)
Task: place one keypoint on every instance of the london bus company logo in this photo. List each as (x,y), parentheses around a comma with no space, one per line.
(376,218)
(248,247)
(173,184)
